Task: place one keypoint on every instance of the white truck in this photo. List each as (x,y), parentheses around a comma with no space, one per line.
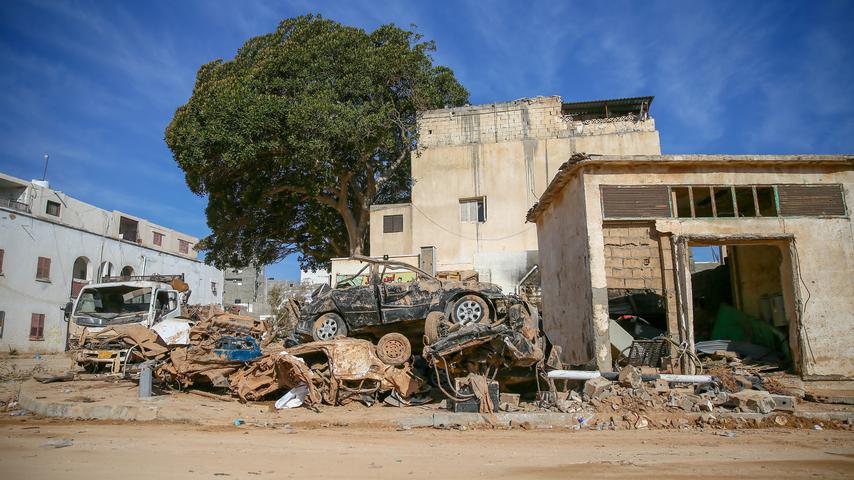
(156,302)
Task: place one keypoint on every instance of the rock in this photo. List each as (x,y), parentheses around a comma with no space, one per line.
(596,386)
(509,398)
(784,403)
(630,377)
(662,385)
(574,396)
(687,402)
(705,405)
(756,401)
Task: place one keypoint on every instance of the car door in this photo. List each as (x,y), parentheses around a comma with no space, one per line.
(358,304)
(408,300)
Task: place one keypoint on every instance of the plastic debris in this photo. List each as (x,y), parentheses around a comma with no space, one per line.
(294,398)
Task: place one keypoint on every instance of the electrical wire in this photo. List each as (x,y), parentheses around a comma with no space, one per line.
(465,237)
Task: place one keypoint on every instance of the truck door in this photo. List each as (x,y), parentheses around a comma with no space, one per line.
(165,305)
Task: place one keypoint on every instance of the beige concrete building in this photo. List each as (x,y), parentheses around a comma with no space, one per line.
(478,169)
(619,224)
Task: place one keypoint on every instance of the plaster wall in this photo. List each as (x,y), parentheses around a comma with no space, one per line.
(397,243)
(24,238)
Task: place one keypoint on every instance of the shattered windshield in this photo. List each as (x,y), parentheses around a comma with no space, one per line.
(114,302)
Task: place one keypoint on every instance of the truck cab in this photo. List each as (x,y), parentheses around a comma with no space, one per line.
(155,302)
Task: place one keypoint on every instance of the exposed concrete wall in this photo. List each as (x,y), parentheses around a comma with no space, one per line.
(507,153)
(565,275)
(757,273)
(24,238)
(632,257)
(398,243)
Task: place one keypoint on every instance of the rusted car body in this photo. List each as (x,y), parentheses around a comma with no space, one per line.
(376,308)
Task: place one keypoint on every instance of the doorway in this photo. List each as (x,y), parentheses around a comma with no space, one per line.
(742,300)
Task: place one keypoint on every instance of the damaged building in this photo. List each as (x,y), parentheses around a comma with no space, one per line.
(616,235)
(53,245)
(479,168)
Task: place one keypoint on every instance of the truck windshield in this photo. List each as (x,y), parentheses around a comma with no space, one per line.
(112,302)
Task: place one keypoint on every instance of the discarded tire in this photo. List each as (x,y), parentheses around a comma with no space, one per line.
(394,349)
(434,327)
(328,326)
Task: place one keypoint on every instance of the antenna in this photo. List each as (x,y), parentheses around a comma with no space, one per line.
(46,158)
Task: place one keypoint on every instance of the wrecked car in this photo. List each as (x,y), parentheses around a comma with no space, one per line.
(378,307)
(153,302)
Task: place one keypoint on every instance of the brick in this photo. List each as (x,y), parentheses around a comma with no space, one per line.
(634,283)
(632,263)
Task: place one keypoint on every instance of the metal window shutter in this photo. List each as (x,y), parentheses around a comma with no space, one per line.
(635,201)
(811,200)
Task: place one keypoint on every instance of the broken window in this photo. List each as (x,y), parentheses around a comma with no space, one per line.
(213,288)
(127,271)
(682,201)
(37,326)
(1,261)
(703,202)
(473,210)
(745,201)
(158,239)
(392,223)
(43,269)
(724,205)
(53,208)
(183,246)
(128,229)
(767,202)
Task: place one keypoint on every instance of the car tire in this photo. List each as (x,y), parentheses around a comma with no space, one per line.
(394,349)
(434,328)
(327,327)
(470,309)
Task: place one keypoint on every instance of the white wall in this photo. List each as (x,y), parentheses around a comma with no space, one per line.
(25,238)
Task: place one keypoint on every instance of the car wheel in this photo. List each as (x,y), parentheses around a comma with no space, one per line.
(328,326)
(470,309)
(394,349)
(435,327)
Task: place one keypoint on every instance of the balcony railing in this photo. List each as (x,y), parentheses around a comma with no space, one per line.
(14,205)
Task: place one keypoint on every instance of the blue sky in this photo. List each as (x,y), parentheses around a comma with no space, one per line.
(94,84)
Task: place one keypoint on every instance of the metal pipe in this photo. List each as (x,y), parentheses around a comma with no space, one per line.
(587,375)
(145,379)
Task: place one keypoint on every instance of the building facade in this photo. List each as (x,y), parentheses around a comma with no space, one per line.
(478,169)
(246,288)
(615,226)
(51,245)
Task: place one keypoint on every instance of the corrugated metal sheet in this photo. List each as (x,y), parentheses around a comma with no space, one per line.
(635,201)
(811,200)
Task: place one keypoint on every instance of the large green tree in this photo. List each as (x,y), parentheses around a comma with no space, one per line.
(301,132)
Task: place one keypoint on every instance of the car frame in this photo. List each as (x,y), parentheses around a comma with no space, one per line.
(376,308)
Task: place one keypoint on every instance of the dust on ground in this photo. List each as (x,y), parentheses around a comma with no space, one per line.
(36,448)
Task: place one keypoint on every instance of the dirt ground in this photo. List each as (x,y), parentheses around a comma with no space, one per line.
(28,450)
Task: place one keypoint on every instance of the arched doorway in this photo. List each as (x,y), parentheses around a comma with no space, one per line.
(80,275)
(127,271)
(106,270)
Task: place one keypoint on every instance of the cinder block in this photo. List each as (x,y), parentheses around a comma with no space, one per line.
(635,283)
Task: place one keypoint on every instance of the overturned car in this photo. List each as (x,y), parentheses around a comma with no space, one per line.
(377,307)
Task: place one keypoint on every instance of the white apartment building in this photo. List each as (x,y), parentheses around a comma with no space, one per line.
(51,245)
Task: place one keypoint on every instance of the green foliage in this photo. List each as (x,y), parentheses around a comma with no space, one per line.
(301,132)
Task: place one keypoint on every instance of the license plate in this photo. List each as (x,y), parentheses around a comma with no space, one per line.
(105,354)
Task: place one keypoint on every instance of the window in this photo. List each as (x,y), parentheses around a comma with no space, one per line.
(811,200)
(158,239)
(213,288)
(43,269)
(392,223)
(52,208)
(724,204)
(745,201)
(37,326)
(473,210)
(127,271)
(128,229)
(723,201)
(1,261)
(642,201)
(2,323)
(237,301)
(183,246)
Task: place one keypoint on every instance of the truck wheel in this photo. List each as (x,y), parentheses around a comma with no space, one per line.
(394,349)
(328,326)
(435,327)
(470,309)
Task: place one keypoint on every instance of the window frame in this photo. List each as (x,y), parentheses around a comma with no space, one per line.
(39,276)
(2,322)
(39,326)
(2,255)
(57,205)
(183,246)
(480,206)
(157,238)
(674,211)
(390,223)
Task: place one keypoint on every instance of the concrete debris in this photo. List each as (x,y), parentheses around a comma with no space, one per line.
(630,377)
(596,386)
(755,401)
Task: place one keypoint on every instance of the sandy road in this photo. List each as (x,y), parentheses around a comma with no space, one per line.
(160,451)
